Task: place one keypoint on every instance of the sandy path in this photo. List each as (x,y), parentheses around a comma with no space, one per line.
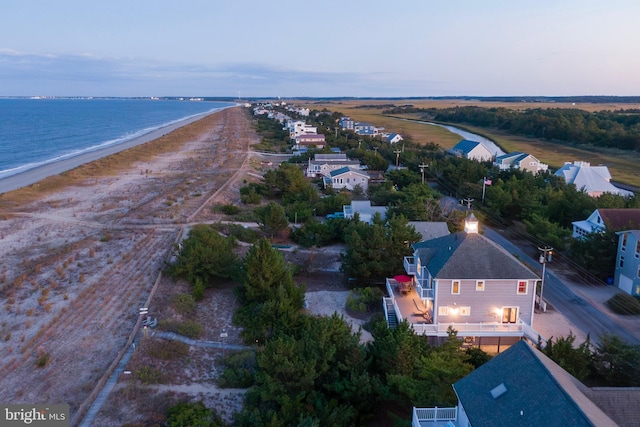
(78,263)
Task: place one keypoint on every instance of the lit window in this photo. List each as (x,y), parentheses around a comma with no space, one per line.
(465,311)
(443,311)
(455,287)
(522,287)
(479,285)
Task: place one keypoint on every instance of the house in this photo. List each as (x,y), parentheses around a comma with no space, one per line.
(601,219)
(465,281)
(365,211)
(472,150)
(348,178)
(627,274)
(430,229)
(394,138)
(346,123)
(520,387)
(522,161)
(311,140)
(363,128)
(594,180)
(323,164)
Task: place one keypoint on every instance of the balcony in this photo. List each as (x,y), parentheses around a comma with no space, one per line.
(410,265)
(435,417)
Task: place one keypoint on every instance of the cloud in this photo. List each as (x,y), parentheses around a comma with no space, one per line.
(50,74)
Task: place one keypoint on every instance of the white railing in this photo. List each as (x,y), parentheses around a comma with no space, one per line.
(470,329)
(532,334)
(425,292)
(410,265)
(432,415)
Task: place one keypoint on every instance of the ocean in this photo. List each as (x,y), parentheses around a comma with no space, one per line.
(35,132)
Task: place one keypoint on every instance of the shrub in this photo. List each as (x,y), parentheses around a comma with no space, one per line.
(167,350)
(239,370)
(184,304)
(229,209)
(187,328)
(149,375)
(192,414)
(624,304)
(365,299)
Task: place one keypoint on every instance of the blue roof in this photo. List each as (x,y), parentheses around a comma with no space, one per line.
(522,387)
(345,169)
(466,146)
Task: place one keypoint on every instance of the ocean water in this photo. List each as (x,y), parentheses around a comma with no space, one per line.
(34,132)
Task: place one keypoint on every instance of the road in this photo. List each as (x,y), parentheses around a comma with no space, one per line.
(582,314)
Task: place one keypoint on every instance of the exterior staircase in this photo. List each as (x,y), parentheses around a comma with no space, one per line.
(392,319)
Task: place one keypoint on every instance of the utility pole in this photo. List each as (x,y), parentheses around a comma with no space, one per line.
(422,166)
(376,148)
(397,156)
(545,257)
(468,202)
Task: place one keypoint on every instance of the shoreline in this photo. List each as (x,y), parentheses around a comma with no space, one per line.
(34,175)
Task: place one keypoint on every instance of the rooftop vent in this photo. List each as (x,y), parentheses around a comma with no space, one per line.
(498,391)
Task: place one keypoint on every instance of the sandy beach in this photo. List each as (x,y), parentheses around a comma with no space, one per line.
(34,175)
(81,256)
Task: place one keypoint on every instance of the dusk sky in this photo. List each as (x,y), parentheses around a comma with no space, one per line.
(323,48)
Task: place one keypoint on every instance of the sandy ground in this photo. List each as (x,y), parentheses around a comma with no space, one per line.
(78,263)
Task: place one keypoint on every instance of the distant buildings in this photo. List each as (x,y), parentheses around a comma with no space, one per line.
(594,180)
(472,150)
(602,219)
(521,161)
(324,164)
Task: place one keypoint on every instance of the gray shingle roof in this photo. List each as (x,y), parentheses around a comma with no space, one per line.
(538,393)
(469,256)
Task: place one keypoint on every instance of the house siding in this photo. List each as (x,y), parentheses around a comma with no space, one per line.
(484,304)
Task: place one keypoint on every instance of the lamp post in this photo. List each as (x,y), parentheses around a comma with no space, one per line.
(545,257)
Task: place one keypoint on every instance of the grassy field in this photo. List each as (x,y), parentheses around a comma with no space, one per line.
(622,164)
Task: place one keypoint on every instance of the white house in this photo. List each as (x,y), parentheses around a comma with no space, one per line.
(348,178)
(365,211)
(309,140)
(323,164)
(601,219)
(472,150)
(627,274)
(522,161)
(394,138)
(594,180)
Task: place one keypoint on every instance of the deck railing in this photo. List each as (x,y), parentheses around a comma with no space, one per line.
(433,415)
(410,265)
(469,329)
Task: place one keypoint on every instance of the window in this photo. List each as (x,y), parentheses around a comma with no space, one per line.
(621,264)
(639,271)
(479,285)
(465,311)
(638,249)
(624,241)
(522,287)
(443,311)
(455,287)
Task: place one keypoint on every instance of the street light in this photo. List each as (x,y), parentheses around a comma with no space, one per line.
(545,257)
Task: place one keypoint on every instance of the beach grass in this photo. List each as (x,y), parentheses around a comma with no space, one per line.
(111,165)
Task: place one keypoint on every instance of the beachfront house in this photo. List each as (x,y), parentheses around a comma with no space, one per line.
(602,219)
(323,164)
(521,161)
(348,178)
(472,150)
(594,180)
(523,387)
(627,273)
(469,283)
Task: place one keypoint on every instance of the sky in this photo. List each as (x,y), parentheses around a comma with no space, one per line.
(328,48)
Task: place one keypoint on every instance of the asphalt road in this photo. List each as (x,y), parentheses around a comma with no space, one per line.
(576,309)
